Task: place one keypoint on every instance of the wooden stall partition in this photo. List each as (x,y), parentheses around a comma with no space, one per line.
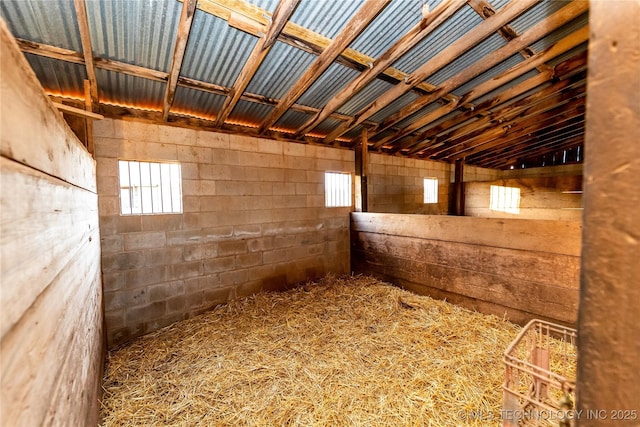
(521,269)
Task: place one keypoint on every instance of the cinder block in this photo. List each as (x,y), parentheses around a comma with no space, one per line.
(244,173)
(284,241)
(163,256)
(235,277)
(122,261)
(124,299)
(103,128)
(328,153)
(216,265)
(114,319)
(258,216)
(214,234)
(285,188)
(311,151)
(275,256)
(169,222)
(124,223)
(294,149)
(189,170)
(183,237)
(144,240)
(106,167)
(247,289)
(315,201)
(315,176)
(212,139)
(111,244)
(145,276)
(199,252)
(194,154)
(232,247)
(225,157)
(146,313)
(191,204)
(156,151)
(270,146)
(248,260)
(304,163)
(306,188)
(270,174)
(176,304)
(177,135)
(107,185)
(185,270)
(260,244)
(243,143)
(165,291)
(113,281)
(247,230)
(213,297)
(112,147)
(221,172)
(230,217)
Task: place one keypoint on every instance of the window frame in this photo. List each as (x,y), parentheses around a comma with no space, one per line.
(335,197)
(164,198)
(435,184)
(501,198)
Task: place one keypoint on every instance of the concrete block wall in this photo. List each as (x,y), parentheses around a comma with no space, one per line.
(396,184)
(254,219)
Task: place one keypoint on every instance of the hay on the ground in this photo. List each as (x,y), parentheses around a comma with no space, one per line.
(344,351)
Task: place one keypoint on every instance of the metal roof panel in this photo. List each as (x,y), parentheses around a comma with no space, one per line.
(59,77)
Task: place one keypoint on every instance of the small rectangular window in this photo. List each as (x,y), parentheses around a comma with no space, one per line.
(149,188)
(505,199)
(337,189)
(430,190)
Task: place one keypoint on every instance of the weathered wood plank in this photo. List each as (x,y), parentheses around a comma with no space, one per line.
(33,351)
(560,237)
(87,49)
(47,145)
(35,213)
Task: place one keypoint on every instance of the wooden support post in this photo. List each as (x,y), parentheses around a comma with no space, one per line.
(362,166)
(458,188)
(608,381)
(88,122)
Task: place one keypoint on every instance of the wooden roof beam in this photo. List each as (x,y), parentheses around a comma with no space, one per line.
(555,21)
(280,17)
(457,48)
(351,30)
(550,145)
(417,33)
(87,49)
(184,27)
(254,20)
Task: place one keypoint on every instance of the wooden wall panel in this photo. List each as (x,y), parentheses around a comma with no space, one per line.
(518,268)
(51,333)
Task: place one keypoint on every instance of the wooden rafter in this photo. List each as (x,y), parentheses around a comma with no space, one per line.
(87,49)
(459,47)
(280,17)
(352,29)
(561,17)
(184,27)
(254,20)
(399,48)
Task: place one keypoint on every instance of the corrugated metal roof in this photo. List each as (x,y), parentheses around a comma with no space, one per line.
(508,85)
(571,53)
(356,132)
(326,126)
(536,14)
(268,5)
(326,17)
(197,102)
(292,120)
(249,113)
(512,61)
(50,22)
(136,32)
(394,107)
(418,115)
(560,33)
(215,52)
(392,23)
(462,22)
(283,66)
(124,89)
(463,62)
(328,85)
(370,93)
(59,77)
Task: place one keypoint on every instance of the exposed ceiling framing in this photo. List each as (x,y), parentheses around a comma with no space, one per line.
(494,83)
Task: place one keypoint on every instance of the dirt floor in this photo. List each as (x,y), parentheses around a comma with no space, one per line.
(349,351)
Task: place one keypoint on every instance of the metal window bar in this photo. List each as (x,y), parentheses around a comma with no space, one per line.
(337,189)
(146,184)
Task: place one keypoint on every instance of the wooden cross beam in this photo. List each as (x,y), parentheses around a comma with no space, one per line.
(87,49)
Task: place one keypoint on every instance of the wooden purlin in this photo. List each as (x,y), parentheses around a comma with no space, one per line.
(87,50)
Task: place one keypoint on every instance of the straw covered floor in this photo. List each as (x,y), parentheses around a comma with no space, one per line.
(348,351)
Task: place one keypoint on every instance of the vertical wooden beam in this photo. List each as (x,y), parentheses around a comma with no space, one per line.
(608,328)
(184,27)
(280,17)
(88,122)
(458,188)
(87,49)
(364,170)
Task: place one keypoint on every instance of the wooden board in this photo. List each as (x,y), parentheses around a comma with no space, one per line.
(474,260)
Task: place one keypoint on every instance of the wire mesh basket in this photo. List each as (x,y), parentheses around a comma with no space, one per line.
(539,387)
